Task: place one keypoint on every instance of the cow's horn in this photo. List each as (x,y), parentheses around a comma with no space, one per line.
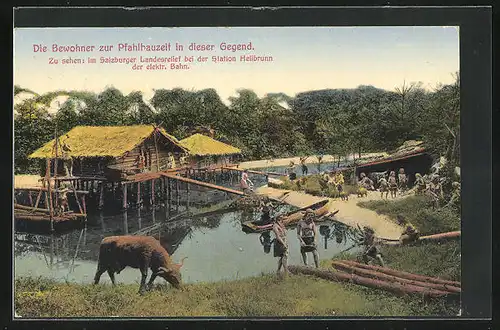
(182,262)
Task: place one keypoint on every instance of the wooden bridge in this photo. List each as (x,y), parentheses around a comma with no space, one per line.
(203,184)
(251,171)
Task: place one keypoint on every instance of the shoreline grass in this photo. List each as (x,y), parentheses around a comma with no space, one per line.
(265,295)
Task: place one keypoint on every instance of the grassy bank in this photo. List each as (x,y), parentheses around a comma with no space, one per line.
(259,296)
(433,258)
(419,211)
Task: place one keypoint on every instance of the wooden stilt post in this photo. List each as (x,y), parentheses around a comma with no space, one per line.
(177,194)
(84,207)
(113,189)
(31,198)
(163,188)
(169,191)
(188,195)
(51,250)
(138,194)
(139,219)
(124,190)
(153,191)
(38,199)
(101,196)
(125,223)
(101,219)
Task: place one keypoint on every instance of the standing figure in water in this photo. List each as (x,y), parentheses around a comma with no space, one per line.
(280,245)
(307,234)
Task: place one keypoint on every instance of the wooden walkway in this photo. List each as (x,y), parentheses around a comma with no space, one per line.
(252,171)
(203,184)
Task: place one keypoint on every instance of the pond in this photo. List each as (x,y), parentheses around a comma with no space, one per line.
(311,168)
(216,247)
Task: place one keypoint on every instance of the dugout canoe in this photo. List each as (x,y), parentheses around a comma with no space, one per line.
(292,218)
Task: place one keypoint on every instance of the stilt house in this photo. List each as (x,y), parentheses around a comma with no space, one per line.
(114,152)
(207,152)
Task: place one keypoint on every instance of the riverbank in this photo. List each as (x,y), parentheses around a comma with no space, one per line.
(264,295)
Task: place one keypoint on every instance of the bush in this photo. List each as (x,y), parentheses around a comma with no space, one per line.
(313,185)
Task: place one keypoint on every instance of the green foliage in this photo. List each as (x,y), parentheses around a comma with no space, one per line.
(419,211)
(339,121)
(314,185)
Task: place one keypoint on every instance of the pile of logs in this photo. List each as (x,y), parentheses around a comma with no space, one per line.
(398,282)
(23,212)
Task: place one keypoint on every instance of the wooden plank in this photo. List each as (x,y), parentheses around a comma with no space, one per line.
(252,171)
(45,189)
(204,184)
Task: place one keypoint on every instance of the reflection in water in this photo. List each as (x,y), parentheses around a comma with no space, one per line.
(62,250)
(215,246)
(265,240)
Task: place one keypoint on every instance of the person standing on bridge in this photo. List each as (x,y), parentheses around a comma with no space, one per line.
(307,235)
(291,171)
(246,183)
(305,170)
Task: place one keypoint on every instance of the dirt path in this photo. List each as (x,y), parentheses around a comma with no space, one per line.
(349,213)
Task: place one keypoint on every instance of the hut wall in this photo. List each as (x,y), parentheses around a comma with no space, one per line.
(206,161)
(128,163)
(417,164)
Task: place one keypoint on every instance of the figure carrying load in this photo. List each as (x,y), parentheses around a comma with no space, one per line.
(370,249)
(420,185)
(435,190)
(68,160)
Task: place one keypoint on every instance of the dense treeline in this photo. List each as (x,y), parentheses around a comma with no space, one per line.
(332,121)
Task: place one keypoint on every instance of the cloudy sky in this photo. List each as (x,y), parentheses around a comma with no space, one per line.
(304,58)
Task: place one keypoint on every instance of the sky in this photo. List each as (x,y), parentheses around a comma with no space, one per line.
(304,58)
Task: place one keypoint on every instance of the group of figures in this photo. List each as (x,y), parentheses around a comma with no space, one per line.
(390,184)
(428,184)
(307,235)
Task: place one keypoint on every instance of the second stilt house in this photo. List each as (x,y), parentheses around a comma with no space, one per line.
(207,152)
(113,152)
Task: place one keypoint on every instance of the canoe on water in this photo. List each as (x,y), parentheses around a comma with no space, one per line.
(292,218)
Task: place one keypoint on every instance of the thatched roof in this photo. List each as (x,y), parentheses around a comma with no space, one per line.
(102,141)
(202,145)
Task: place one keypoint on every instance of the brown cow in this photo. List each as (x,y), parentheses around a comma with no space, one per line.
(143,252)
